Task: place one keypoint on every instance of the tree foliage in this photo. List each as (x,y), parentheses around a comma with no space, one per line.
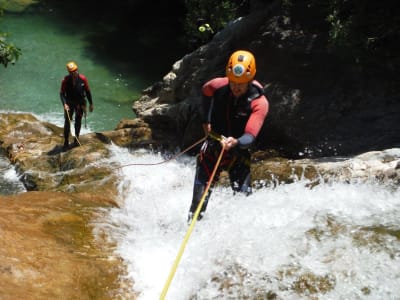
(214,13)
(361,29)
(8,52)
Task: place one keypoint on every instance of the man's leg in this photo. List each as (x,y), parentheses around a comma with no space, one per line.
(200,184)
(240,175)
(78,124)
(198,191)
(67,128)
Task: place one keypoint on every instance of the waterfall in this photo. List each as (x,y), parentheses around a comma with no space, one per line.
(9,180)
(334,241)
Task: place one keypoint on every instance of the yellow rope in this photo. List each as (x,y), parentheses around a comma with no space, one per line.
(189,232)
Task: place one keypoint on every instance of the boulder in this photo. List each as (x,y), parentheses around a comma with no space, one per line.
(321,103)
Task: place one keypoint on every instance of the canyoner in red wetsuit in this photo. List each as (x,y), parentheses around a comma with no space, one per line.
(235,108)
(73,93)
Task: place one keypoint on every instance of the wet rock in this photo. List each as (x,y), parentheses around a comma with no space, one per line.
(70,189)
(49,251)
(320,104)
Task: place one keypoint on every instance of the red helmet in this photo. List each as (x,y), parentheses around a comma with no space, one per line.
(241,67)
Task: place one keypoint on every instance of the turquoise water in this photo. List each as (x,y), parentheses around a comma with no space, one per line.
(33,83)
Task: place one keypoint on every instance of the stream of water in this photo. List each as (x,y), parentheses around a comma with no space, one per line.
(334,241)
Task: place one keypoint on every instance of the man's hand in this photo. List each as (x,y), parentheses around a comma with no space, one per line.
(229,143)
(66,107)
(91,107)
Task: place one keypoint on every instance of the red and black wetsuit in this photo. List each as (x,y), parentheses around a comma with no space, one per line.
(73,92)
(241,118)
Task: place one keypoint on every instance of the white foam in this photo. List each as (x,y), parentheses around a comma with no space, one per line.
(262,234)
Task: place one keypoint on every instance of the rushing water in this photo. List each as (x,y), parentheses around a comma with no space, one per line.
(290,240)
(9,181)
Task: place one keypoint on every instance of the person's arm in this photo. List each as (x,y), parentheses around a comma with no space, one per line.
(63,95)
(89,97)
(87,92)
(260,107)
(206,113)
(208,90)
(245,141)
(63,100)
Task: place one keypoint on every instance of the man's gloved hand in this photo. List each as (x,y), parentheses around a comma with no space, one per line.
(229,143)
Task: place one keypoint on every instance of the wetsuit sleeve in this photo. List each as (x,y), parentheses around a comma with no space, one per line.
(87,89)
(62,92)
(89,97)
(245,141)
(260,107)
(208,91)
(206,109)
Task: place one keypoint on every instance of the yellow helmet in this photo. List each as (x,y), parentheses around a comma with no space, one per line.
(241,67)
(72,66)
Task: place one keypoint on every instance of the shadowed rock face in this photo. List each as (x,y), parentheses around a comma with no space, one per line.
(320,104)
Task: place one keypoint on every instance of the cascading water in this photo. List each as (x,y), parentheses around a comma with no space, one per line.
(334,241)
(9,181)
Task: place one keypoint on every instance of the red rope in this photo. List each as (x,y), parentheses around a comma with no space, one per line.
(165,161)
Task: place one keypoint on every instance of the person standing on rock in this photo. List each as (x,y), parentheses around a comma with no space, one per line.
(233,110)
(73,93)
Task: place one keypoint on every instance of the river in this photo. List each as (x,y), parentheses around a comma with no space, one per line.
(32,85)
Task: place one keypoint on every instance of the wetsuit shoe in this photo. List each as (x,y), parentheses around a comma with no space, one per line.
(191,215)
(65,146)
(76,142)
(190,218)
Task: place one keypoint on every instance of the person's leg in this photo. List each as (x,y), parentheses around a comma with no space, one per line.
(78,123)
(240,175)
(203,171)
(67,128)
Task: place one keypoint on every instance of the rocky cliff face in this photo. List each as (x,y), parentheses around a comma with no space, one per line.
(320,103)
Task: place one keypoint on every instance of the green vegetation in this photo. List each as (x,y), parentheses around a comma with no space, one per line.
(362,31)
(8,52)
(215,13)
